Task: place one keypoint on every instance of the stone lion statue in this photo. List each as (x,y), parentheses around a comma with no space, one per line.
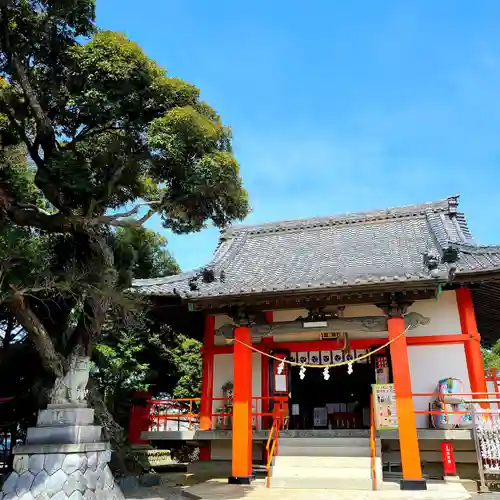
(72,387)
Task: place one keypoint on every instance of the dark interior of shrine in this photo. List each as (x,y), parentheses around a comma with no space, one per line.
(341,402)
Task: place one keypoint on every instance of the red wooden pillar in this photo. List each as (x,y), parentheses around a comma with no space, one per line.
(472,345)
(207,383)
(407,424)
(140,417)
(242,408)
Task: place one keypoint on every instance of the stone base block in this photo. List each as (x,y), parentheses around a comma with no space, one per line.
(75,476)
(51,449)
(210,468)
(67,406)
(65,416)
(64,434)
(413,484)
(241,479)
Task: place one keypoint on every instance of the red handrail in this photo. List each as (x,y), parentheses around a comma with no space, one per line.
(272,440)
(471,396)
(187,410)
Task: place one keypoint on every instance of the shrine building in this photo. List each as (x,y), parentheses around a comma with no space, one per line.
(401,296)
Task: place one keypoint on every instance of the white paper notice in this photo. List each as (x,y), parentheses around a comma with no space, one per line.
(280,383)
(295,409)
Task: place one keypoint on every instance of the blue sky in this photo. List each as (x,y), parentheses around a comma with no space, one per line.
(338,106)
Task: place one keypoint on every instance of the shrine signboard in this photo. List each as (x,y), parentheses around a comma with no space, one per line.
(384,407)
(329,335)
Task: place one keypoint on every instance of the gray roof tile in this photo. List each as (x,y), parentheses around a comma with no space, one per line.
(331,252)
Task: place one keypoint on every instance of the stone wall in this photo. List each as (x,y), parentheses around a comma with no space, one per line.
(60,476)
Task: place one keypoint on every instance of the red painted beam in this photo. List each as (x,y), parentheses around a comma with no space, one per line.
(333,345)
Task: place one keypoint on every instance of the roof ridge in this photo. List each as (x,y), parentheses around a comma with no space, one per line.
(443,205)
(172,278)
(478,249)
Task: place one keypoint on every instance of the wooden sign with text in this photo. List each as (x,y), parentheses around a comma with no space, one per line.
(384,407)
(330,335)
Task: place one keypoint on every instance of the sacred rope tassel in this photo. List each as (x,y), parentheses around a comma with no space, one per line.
(349,368)
(326,373)
(302,373)
(281,367)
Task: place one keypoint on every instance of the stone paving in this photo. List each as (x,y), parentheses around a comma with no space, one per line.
(485,496)
(215,490)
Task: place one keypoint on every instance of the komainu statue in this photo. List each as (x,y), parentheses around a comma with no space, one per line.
(71,389)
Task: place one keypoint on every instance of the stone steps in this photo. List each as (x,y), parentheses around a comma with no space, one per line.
(312,472)
(325,451)
(341,463)
(319,442)
(336,462)
(321,484)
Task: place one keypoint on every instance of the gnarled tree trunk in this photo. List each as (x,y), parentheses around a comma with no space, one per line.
(97,303)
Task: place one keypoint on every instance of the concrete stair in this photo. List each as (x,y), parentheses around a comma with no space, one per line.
(341,463)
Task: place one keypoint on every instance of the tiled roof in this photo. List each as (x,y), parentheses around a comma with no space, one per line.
(405,244)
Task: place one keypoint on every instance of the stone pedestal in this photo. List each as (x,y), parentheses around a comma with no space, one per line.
(63,458)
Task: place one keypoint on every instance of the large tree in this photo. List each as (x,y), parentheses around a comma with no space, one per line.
(142,351)
(94,136)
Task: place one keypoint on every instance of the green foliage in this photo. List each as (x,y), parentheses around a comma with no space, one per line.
(491,357)
(89,124)
(23,259)
(137,353)
(96,138)
(188,361)
(117,367)
(144,253)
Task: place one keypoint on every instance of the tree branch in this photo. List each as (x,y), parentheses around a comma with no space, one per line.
(32,216)
(111,184)
(45,137)
(46,129)
(20,130)
(27,215)
(122,219)
(87,133)
(37,333)
(30,206)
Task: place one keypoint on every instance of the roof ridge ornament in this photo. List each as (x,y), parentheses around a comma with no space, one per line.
(207,274)
(449,255)
(453,205)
